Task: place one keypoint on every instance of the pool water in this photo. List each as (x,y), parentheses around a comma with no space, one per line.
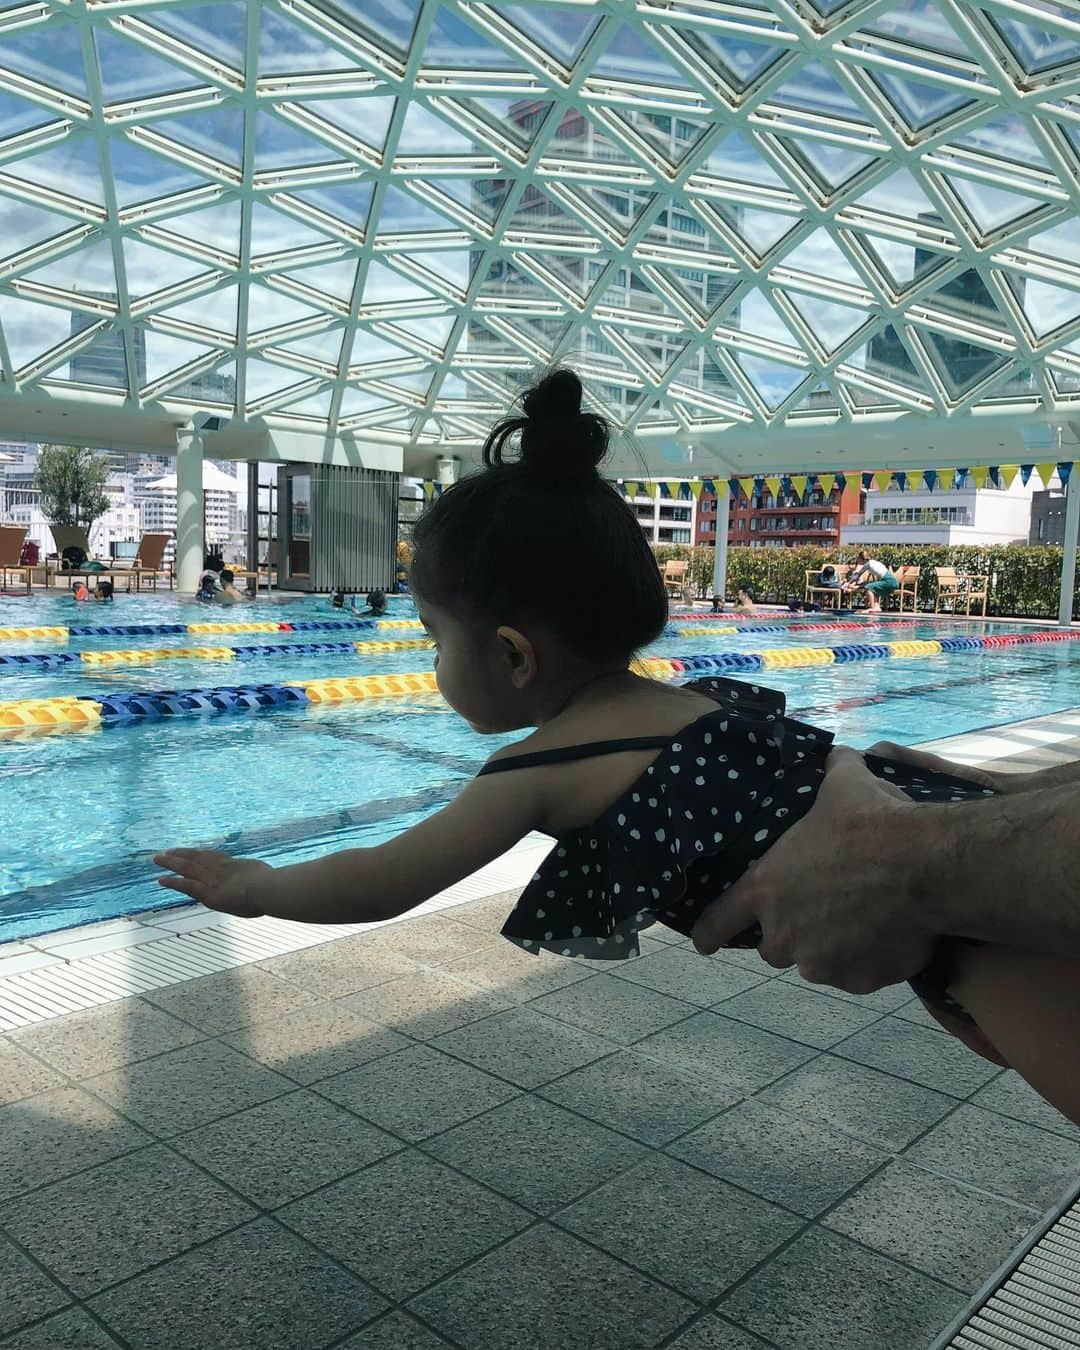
(83,812)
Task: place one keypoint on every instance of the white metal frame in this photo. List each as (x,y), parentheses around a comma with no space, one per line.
(444,393)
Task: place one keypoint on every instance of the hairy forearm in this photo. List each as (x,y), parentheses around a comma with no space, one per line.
(1006,869)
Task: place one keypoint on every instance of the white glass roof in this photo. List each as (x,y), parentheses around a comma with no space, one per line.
(375,216)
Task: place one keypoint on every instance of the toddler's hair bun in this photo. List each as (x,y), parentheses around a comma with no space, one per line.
(555,436)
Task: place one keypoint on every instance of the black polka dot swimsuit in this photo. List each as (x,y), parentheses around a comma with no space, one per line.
(718,794)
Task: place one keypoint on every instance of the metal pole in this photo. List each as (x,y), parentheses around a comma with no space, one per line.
(190,526)
(1068,560)
(252,563)
(723,506)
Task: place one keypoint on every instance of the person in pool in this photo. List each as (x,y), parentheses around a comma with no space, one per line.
(659,796)
(101,594)
(376,604)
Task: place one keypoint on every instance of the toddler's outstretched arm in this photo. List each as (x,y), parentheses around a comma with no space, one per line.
(363,885)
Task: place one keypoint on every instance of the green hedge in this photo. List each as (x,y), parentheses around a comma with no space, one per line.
(1023,581)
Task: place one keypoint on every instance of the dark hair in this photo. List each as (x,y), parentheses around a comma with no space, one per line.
(214,562)
(376,600)
(227,575)
(106,589)
(338,599)
(504,543)
(862,556)
(745,590)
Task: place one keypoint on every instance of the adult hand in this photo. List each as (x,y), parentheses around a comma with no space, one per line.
(217,880)
(1002,783)
(836,895)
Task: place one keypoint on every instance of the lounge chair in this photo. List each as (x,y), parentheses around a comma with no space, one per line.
(11,543)
(149,560)
(908,589)
(75,536)
(676,577)
(954,588)
(816,594)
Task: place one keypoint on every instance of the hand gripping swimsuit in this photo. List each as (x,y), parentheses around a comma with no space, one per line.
(718,795)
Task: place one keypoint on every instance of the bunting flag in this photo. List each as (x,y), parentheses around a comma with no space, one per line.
(1046,472)
(798,485)
(773,484)
(1025,473)
(1064,471)
(827,481)
(1007,474)
(747,485)
(696,489)
(429,488)
(930,479)
(946,479)
(979,475)
(867,481)
(901,480)
(840,481)
(882,481)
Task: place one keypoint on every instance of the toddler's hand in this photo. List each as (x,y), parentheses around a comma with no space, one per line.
(217,880)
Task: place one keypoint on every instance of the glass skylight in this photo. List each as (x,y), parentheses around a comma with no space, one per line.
(380,216)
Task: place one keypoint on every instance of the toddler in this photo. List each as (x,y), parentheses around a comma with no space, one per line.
(658,796)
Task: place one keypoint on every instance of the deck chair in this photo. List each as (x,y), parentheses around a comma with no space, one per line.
(75,536)
(953,588)
(908,589)
(676,577)
(828,597)
(11,542)
(149,560)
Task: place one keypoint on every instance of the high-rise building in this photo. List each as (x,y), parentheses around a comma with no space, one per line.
(785,520)
(103,363)
(966,296)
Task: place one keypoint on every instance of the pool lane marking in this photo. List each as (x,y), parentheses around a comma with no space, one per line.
(66,631)
(111,709)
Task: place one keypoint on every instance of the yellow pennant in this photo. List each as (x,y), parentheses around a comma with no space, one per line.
(1007,473)
(631,487)
(651,490)
(429,488)
(798,483)
(696,488)
(882,481)
(1046,472)
(826,481)
(946,479)
(747,485)
(773,484)
(979,475)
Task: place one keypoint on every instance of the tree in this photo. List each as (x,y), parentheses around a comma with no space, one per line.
(71,480)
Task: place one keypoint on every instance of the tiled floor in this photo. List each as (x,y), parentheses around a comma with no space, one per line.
(421,1137)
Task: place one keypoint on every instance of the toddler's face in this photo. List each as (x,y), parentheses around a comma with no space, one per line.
(472,672)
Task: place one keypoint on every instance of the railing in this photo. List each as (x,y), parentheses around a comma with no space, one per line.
(962,517)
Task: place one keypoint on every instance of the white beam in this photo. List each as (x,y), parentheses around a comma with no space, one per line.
(723,510)
(190,525)
(1068,560)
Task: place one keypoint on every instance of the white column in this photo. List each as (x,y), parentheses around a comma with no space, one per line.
(190,527)
(1068,561)
(719,575)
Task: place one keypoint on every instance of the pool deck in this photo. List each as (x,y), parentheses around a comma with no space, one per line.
(417,1136)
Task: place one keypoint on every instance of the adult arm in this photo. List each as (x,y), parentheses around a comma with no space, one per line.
(858,892)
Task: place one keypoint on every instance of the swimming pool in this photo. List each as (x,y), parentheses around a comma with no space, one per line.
(83,811)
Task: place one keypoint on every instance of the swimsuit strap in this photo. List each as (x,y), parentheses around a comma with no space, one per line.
(566,753)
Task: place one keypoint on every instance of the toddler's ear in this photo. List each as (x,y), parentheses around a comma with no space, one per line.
(520,656)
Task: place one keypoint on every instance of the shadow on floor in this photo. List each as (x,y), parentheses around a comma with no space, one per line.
(423,1137)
